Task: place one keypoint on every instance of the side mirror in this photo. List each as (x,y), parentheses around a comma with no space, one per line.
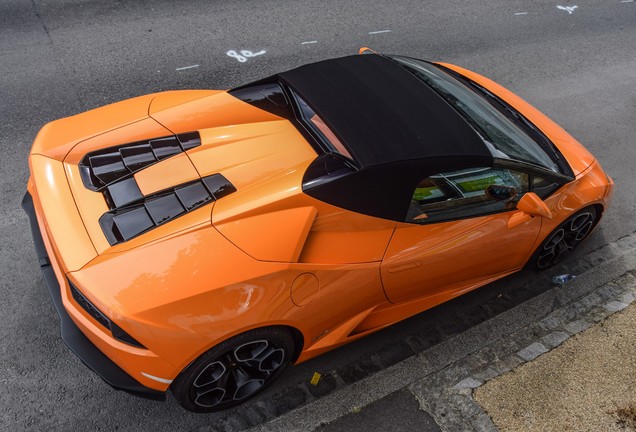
(533,205)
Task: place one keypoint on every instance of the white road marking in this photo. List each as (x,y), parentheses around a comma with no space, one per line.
(244,55)
(521,13)
(186,67)
(380,31)
(308,42)
(627,1)
(568,9)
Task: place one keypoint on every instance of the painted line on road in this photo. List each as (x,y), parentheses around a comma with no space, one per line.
(568,9)
(521,13)
(308,42)
(627,1)
(187,67)
(380,31)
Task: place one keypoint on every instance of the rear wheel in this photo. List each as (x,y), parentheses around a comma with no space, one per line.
(234,370)
(564,239)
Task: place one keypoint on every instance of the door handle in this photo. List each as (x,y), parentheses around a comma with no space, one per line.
(403,267)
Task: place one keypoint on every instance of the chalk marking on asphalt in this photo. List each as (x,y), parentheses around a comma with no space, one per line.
(308,42)
(568,9)
(244,54)
(186,67)
(380,31)
(521,13)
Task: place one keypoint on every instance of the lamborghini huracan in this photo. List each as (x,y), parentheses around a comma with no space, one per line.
(201,241)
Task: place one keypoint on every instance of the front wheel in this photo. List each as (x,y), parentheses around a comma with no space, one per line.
(564,239)
(234,370)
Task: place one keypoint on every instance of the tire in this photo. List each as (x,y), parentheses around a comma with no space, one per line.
(235,370)
(564,239)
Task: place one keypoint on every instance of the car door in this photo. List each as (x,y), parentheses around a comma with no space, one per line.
(458,234)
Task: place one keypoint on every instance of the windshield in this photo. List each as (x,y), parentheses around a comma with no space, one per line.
(504,139)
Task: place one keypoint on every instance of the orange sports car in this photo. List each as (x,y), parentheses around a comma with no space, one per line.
(201,241)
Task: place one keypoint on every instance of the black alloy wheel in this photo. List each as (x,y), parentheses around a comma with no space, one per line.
(234,370)
(564,239)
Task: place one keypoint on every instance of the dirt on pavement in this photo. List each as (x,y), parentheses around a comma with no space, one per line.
(586,384)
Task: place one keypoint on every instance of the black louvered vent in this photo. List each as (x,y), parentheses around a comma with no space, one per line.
(117,332)
(89,307)
(102,168)
(111,171)
(133,214)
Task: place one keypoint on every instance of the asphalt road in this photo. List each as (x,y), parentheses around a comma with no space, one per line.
(60,57)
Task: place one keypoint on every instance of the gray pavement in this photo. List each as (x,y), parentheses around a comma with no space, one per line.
(60,57)
(399,411)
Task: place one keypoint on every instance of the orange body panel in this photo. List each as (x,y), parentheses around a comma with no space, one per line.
(593,186)
(218,109)
(175,170)
(57,138)
(304,289)
(62,221)
(389,313)
(266,254)
(135,131)
(280,243)
(250,155)
(424,260)
(169,99)
(341,236)
(91,208)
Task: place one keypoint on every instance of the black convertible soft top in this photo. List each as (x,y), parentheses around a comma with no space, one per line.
(397,128)
(383,113)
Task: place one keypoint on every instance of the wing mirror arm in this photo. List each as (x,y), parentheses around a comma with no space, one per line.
(530,205)
(533,205)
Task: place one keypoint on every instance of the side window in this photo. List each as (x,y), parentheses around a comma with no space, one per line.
(319,127)
(542,187)
(466,193)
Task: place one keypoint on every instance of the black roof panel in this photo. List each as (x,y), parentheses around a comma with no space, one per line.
(383,113)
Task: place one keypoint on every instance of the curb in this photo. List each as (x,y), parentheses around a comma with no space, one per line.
(448,394)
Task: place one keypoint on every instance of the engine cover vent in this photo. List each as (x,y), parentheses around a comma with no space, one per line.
(102,168)
(138,214)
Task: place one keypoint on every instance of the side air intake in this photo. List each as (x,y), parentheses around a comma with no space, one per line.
(117,332)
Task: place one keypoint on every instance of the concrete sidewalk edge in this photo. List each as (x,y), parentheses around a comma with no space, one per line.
(448,394)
